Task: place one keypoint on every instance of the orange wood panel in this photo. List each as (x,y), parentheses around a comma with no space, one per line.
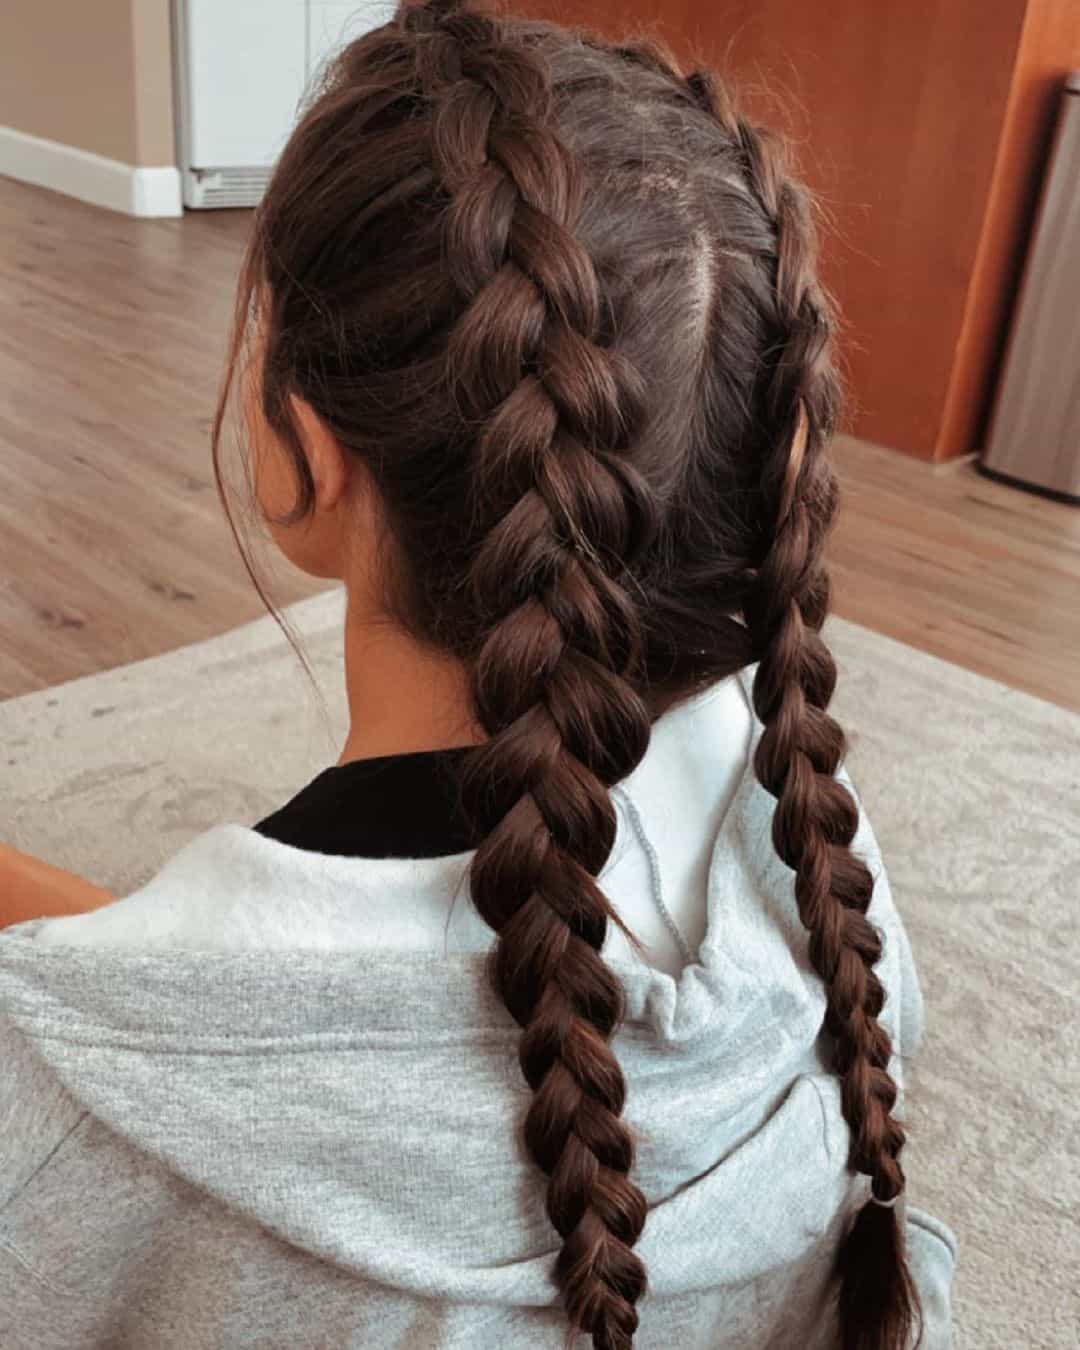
(897,110)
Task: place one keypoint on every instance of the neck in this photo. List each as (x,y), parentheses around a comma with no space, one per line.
(402,696)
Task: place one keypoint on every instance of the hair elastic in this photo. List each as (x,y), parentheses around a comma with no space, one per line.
(886,1204)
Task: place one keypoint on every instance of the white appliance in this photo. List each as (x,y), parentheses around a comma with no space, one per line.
(1034,439)
(241,69)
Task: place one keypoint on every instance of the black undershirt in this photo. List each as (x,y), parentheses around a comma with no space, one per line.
(391,806)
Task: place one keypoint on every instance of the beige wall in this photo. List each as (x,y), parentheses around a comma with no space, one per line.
(95,74)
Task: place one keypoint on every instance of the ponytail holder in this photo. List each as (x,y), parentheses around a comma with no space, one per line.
(886,1204)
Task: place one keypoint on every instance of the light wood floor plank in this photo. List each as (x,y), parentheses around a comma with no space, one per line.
(971,570)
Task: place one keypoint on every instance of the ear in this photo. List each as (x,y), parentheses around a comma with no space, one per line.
(327,460)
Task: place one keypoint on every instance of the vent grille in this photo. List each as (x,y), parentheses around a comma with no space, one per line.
(209,188)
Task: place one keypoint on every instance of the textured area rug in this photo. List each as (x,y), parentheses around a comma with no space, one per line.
(973,790)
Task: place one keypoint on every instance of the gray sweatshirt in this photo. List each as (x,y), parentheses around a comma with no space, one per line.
(269,1100)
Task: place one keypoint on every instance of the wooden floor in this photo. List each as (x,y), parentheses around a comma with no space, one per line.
(112,542)
(974,571)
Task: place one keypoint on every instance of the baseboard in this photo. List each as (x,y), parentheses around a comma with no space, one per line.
(137,191)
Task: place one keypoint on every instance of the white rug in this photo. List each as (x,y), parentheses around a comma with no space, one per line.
(973,790)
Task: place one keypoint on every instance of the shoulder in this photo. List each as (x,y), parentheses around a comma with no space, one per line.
(232,889)
(181,901)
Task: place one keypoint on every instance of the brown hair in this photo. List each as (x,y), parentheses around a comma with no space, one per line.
(561,300)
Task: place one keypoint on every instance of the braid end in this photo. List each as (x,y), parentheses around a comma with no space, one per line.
(877,1298)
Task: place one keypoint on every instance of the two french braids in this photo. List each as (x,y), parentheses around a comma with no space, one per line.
(554,682)
(420,267)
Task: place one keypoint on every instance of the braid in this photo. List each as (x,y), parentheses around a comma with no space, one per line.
(554,679)
(801,748)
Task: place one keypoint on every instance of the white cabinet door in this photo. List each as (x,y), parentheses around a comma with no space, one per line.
(247,72)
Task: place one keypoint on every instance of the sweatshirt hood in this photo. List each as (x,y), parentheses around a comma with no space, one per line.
(366,1104)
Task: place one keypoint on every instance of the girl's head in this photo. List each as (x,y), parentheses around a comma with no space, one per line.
(538,313)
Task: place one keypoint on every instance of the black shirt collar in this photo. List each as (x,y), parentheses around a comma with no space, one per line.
(390,806)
